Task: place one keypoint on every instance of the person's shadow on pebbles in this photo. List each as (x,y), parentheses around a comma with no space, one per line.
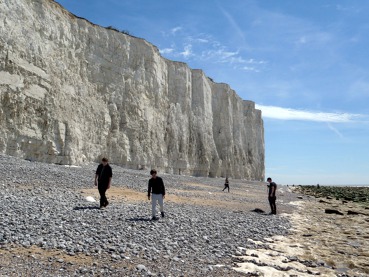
(136,219)
(86,208)
(258,211)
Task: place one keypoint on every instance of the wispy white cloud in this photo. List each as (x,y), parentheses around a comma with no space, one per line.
(315,38)
(249,68)
(221,55)
(166,51)
(293,114)
(202,40)
(187,51)
(205,47)
(234,24)
(171,32)
(335,130)
(174,30)
(252,61)
(252,65)
(347,9)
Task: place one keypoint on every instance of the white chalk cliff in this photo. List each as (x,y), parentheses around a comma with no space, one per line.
(72,92)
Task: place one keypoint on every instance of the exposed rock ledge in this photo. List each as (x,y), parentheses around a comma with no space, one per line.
(72,91)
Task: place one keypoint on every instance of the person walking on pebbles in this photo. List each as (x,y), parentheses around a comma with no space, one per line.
(156,189)
(103,177)
(272,187)
(226,184)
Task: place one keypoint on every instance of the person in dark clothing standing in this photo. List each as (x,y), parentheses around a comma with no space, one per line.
(156,189)
(226,184)
(272,187)
(103,176)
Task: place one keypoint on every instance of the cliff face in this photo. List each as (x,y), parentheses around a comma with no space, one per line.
(72,92)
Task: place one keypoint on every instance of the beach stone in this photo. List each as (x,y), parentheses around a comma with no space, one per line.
(332,211)
(257,210)
(141,267)
(350,212)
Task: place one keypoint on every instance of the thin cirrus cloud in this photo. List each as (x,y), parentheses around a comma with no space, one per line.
(221,55)
(234,24)
(335,130)
(166,51)
(250,68)
(293,114)
(206,48)
(187,51)
(175,30)
(193,48)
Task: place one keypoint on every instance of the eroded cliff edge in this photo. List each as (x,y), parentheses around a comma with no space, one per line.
(72,91)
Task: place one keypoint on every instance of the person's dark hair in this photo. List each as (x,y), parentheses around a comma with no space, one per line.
(269,179)
(105,159)
(152,171)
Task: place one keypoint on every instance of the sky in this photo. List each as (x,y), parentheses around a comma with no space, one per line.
(304,63)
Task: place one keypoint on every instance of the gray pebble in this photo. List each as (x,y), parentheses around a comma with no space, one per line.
(141,267)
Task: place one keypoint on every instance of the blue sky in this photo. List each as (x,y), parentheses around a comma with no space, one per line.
(304,63)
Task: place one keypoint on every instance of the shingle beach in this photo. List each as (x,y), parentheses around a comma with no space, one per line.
(48,228)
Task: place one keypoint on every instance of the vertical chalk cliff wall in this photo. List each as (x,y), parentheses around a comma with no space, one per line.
(72,92)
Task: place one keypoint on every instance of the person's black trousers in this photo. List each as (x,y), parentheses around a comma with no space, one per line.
(273,207)
(103,200)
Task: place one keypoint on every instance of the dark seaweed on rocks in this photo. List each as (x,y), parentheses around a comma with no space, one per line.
(345,193)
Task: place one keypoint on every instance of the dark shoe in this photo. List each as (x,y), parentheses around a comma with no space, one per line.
(154,218)
(162,214)
(106,204)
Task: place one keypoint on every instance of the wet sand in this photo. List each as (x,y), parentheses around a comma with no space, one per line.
(244,196)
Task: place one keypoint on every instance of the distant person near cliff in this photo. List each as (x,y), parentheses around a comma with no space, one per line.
(156,189)
(103,177)
(272,187)
(226,184)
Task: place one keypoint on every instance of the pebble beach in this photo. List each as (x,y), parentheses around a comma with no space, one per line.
(50,227)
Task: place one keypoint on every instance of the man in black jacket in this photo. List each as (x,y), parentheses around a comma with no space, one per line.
(157,189)
(272,187)
(226,184)
(103,177)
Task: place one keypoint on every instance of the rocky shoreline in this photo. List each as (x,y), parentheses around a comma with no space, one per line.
(49,229)
(329,237)
(358,194)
